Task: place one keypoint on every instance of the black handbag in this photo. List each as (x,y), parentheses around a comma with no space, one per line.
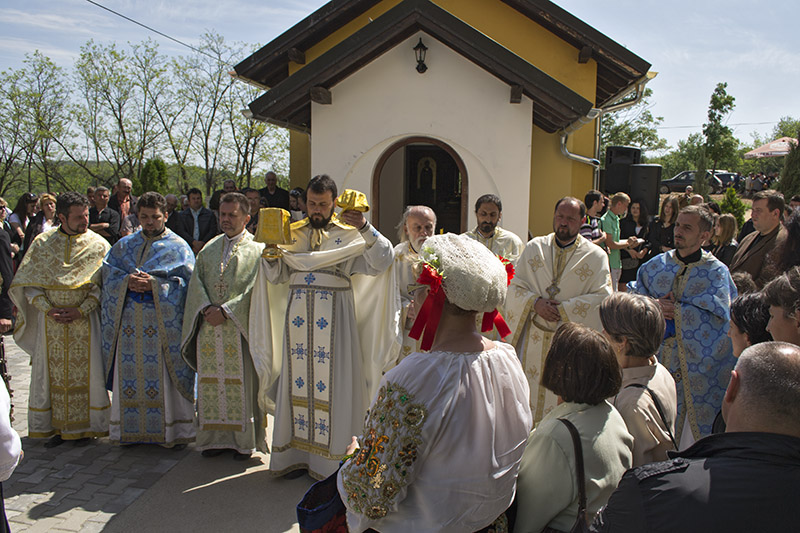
(580,525)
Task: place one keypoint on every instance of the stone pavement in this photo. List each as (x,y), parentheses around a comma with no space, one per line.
(89,488)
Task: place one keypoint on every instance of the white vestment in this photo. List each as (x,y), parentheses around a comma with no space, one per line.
(334,346)
(441,446)
(405,259)
(578,277)
(503,243)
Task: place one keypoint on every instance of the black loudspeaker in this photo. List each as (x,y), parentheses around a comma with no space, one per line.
(644,182)
(618,162)
(623,155)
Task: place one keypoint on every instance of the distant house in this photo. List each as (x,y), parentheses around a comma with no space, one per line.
(506,80)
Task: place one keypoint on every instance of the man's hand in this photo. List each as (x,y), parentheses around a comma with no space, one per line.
(667,304)
(354,218)
(214,315)
(197,246)
(547,309)
(5,325)
(140,282)
(64,315)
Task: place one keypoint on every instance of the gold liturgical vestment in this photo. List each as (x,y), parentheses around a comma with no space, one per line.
(68,395)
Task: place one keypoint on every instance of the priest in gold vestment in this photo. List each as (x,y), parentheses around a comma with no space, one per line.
(215,340)
(58,324)
(560,277)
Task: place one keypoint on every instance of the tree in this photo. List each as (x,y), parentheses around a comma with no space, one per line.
(732,204)
(684,157)
(786,127)
(44,91)
(12,128)
(206,82)
(789,184)
(154,177)
(632,126)
(720,142)
(700,179)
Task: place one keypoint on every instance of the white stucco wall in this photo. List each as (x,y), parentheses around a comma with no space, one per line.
(455,101)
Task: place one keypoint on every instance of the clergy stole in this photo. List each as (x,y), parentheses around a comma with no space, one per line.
(68,348)
(311,319)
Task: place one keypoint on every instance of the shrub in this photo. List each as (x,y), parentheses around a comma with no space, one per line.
(732,204)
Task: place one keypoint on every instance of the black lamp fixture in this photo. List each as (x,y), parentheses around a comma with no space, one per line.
(420,50)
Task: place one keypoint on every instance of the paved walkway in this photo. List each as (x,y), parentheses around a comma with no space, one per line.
(101,487)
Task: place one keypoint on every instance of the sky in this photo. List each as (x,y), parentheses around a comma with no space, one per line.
(692,45)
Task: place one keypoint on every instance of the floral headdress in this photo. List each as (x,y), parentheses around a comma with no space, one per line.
(465,272)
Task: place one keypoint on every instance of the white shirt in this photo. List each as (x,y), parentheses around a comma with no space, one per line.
(442,444)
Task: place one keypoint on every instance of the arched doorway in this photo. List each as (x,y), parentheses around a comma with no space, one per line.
(420,171)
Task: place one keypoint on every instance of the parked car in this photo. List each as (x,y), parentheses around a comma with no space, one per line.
(728,179)
(679,182)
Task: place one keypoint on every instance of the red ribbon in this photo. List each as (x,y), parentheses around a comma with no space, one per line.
(430,313)
(509,268)
(495,319)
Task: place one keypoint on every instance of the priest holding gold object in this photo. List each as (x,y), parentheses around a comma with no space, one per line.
(324,304)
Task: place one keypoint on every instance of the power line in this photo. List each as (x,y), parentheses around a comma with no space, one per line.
(145,26)
(737,124)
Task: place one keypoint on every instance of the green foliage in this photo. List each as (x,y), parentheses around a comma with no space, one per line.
(789,184)
(153,178)
(700,181)
(632,126)
(786,127)
(732,204)
(684,157)
(720,142)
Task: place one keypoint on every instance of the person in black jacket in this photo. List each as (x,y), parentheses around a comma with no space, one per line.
(274,195)
(7,273)
(122,201)
(200,222)
(104,220)
(742,480)
(174,218)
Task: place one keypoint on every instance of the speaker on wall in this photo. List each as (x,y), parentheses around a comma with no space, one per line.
(644,182)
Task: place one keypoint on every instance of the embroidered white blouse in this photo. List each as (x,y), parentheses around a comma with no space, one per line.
(442,444)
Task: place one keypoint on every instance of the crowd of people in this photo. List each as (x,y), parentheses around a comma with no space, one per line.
(468,382)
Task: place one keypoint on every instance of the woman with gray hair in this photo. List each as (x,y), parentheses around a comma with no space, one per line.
(647,400)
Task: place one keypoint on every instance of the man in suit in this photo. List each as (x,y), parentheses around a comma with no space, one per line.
(123,202)
(200,222)
(275,196)
(754,252)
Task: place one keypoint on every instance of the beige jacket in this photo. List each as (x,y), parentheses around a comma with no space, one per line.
(650,437)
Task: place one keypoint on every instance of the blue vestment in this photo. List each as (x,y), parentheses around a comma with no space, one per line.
(142,334)
(698,351)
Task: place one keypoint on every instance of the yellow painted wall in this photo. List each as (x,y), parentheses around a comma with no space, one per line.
(553,176)
(299,159)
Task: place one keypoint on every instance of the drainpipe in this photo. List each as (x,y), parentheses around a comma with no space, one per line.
(597,113)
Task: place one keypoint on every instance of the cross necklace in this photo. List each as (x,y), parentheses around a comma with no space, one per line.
(220,287)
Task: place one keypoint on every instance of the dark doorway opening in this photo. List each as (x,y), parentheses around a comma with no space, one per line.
(420,171)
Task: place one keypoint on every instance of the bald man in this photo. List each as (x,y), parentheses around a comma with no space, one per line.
(122,201)
(741,480)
